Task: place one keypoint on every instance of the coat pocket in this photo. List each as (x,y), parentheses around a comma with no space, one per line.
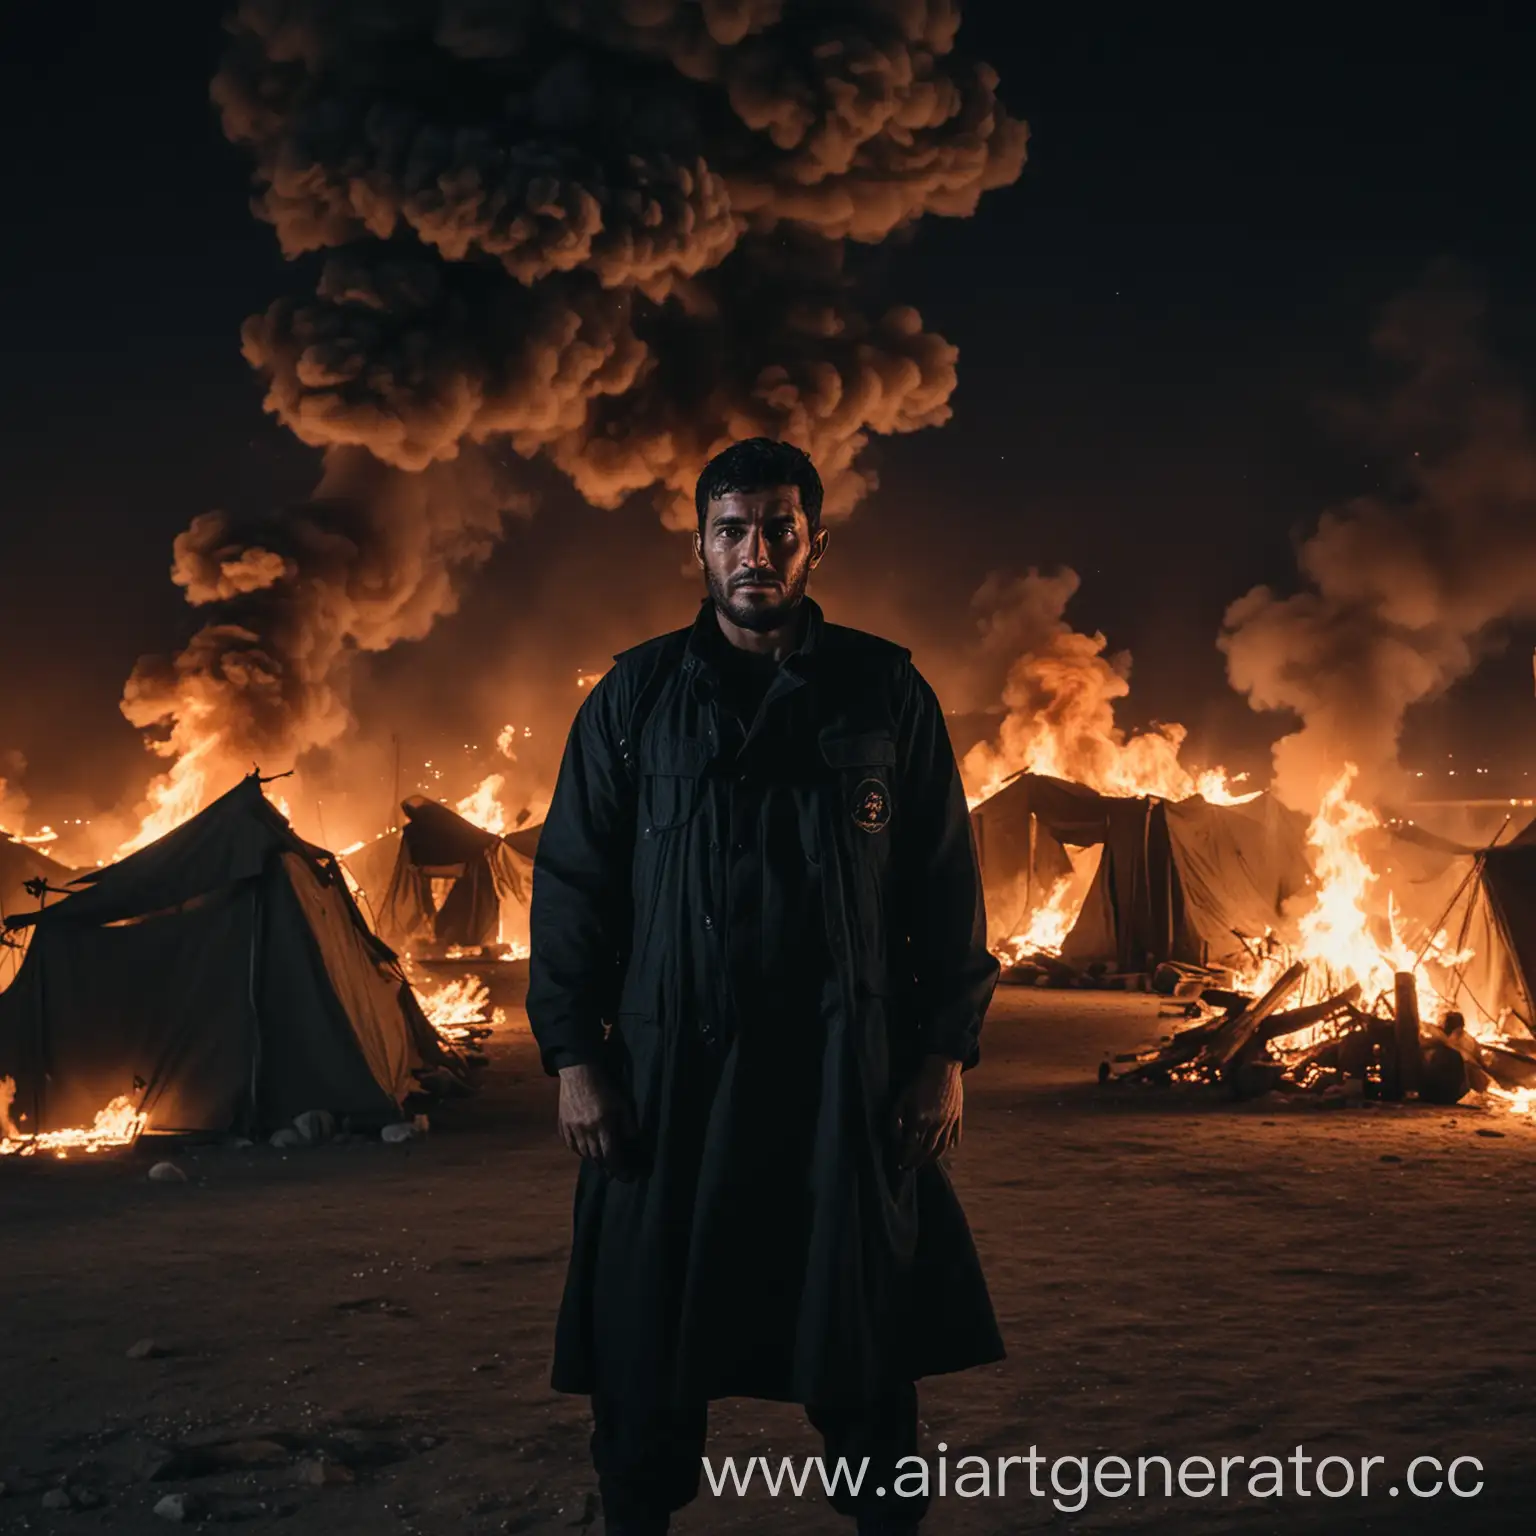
(864,763)
(672,771)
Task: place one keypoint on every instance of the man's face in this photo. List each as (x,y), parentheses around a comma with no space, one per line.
(757,552)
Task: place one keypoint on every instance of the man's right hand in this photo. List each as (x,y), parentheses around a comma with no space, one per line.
(596,1120)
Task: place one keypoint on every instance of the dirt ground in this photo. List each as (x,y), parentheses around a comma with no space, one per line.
(1174,1275)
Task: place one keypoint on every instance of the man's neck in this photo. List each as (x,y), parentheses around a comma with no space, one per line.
(774,644)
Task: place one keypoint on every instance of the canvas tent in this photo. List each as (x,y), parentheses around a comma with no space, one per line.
(222,978)
(1174,880)
(443,883)
(21,863)
(1477,905)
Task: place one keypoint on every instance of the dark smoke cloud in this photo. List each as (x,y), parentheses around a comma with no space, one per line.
(613,233)
(369,560)
(1406,589)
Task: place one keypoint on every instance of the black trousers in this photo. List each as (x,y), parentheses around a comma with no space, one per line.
(648,1458)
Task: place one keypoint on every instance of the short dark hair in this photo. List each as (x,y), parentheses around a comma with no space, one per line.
(759,464)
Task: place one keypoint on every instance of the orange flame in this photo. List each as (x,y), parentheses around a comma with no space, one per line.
(1048,926)
(482,806)
(173,798)
(118,1125)
(457,1007)
(1338,940)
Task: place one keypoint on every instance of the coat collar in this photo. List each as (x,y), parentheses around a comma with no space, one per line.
(706,641)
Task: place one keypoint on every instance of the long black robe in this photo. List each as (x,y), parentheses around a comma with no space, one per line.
(774,933)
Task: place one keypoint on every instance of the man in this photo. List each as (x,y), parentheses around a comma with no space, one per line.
(757,871)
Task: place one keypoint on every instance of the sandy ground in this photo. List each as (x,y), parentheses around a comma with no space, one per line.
(1174,1274)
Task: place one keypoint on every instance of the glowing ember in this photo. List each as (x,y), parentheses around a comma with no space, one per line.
(483,806)
(1518,1101)
(118,1125)
(513,951)
(38,839)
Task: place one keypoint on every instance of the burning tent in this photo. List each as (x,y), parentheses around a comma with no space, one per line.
(1444,1007)
(22,864)
(1474,912)
(451,885)
(221,978)
(1182,880)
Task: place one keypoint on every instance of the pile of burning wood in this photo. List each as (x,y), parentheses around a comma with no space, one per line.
(1334,1048)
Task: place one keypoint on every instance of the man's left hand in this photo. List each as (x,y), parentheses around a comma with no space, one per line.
(926,1120)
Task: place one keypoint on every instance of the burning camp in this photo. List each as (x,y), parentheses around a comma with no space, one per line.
(736,731)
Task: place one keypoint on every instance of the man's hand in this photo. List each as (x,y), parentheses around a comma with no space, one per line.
(596,1120)
(926,1120)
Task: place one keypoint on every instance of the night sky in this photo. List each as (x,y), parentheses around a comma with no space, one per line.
(1150,324)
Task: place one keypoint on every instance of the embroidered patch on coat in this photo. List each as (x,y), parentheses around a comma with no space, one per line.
(871,805)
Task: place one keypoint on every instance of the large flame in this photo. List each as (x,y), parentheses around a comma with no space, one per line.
(178,795)
(1144,764)
(1048,925)
(483,807)
(174,797)
(1339,941)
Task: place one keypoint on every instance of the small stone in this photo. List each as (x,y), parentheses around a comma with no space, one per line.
(167,1173)
(315,1126)
(325,1474)
(240,1143)
(401,1130)
(287,1137)
(1483,1132)
(57,1498)
(1390,1157)
(146,1349)
(87,1498)
(178,1506)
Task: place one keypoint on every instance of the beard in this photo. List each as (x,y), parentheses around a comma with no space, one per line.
(759,612)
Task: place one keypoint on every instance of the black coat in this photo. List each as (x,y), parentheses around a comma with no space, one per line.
(775,932)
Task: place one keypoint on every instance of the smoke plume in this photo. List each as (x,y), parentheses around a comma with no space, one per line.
(618,234)
(1405,588)
(369,560)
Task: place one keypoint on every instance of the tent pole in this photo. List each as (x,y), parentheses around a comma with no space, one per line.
(394,799)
